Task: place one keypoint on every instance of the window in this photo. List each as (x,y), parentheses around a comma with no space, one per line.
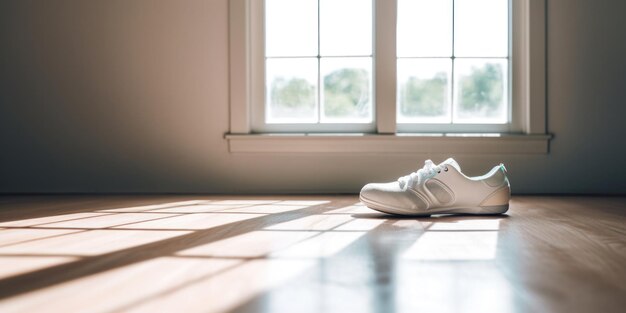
(453,65)
(318,65)
(387,66)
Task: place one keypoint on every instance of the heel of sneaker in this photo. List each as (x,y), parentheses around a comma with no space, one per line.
(498,198)
(494,209)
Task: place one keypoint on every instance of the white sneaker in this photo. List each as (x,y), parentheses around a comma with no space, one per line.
(441,189)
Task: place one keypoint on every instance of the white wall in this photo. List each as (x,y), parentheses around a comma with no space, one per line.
(132,96)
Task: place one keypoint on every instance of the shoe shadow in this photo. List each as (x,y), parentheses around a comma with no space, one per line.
(450,217)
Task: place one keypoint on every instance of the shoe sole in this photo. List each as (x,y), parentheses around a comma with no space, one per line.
(478,210)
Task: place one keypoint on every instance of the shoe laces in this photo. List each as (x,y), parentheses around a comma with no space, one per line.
(429,170)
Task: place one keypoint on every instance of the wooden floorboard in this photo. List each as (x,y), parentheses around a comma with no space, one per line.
(307,254)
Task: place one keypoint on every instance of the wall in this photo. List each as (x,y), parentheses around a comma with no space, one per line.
(132,96)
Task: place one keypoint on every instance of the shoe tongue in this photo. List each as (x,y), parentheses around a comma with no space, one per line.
(451,162)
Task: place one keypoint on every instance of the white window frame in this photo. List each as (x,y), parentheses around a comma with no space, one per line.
(526,132)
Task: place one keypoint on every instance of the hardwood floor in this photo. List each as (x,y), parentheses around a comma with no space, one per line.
(307,254)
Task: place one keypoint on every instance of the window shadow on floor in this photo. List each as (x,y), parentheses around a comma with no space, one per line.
(140,233)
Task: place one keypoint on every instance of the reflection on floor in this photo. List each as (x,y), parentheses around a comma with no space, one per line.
(307,254)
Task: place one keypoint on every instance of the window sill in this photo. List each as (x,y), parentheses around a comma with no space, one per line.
(492,143)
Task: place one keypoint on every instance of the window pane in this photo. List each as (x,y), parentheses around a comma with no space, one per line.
(424,90)
(291,27)
(345,27)
(347,89)
(481,91)
(291,90)
(481,28)
(424,28)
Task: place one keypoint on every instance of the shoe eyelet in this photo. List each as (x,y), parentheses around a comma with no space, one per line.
(445,169)
(438,172)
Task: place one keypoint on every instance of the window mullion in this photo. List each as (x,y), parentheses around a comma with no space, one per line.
(385,64)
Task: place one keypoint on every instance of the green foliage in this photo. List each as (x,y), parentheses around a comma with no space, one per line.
(424,97)
(295,94)
(481,92)
(347,93)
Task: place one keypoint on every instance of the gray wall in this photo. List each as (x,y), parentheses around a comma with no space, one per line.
(132,96)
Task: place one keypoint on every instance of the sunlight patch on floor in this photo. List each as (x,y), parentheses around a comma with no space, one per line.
(364,224)
(109,220)
(256,243)
(89,243)
(267,208)
(312,222)
(352,209)
(151,207)
(200,208)
(230,289)
(192,221)
(456,241)
(16,265)
(245,202)
(303,202)
(49,219)
(121,287)
(324,245)
(452,287)
(17,235)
